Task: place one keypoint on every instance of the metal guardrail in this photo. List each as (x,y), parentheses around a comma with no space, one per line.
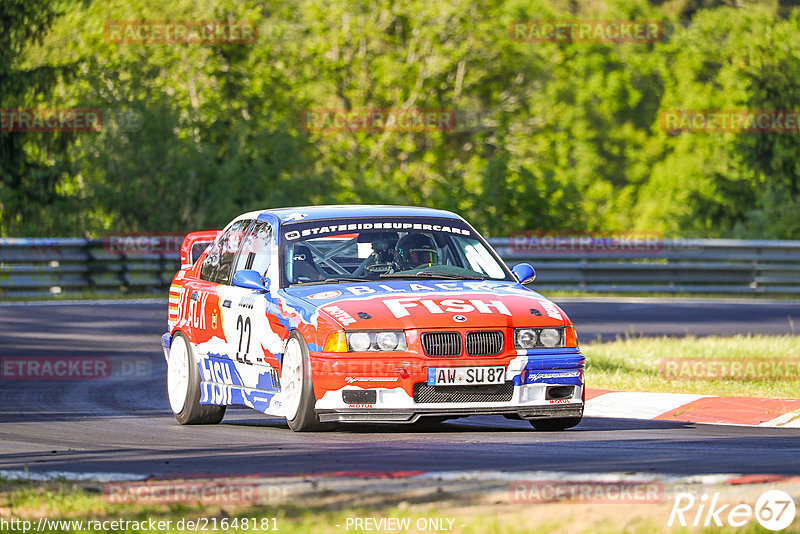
(41,267)
(659,266)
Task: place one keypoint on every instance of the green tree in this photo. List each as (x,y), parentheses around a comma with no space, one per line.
(548,136)
(32,166)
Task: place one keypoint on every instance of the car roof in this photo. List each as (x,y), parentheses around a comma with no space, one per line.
(310,213)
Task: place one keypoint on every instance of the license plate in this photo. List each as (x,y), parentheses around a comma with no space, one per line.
(466,376)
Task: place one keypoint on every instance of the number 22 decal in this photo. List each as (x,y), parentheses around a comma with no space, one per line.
(243,326)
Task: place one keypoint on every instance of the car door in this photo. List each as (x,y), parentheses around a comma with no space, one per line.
(209,332)
(253,337)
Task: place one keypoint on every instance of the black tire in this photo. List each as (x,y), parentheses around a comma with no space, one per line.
(194,413)
(561,423)
(430,423)
(556,424)
(305,419)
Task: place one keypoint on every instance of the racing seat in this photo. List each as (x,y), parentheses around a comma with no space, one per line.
(304,268)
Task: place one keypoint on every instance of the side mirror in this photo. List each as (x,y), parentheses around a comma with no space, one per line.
(249,279)
(524,273)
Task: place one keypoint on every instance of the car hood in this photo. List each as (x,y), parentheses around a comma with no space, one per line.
(431,304)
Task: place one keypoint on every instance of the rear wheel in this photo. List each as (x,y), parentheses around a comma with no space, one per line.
(298,388)
(183,386)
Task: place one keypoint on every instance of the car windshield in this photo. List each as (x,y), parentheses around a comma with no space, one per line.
(354,250)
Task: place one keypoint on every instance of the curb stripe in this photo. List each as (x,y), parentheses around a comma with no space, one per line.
(789,420)
(592,393)
(636,405)
(731,410)
(689,408)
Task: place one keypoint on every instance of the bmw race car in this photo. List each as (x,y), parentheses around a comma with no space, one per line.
(364,314)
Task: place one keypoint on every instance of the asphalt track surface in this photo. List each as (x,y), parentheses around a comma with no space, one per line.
(123,424)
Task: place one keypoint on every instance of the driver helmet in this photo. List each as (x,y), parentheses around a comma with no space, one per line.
(415,250)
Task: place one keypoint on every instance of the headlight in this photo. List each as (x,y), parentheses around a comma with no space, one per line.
(376,341)
(359,341)
(387,340)
(539,338)
(526,338)
(549,337)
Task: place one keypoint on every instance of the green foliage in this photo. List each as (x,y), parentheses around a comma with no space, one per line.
(548,136)
(31,164)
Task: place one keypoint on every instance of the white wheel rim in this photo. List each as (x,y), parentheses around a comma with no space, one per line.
(178,374)
(292,378)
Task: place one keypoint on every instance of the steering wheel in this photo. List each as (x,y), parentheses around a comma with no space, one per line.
(380,268)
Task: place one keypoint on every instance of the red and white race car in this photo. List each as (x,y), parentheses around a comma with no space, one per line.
(364,314)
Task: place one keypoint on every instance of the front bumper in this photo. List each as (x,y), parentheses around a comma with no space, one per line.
(395,389)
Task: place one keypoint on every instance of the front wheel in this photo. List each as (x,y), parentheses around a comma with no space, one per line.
(556,424)
(183,386)
(298,388)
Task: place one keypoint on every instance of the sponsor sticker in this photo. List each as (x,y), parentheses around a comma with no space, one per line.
(400,306)
(295,231)
(551,310)
(533,377)
(326,295)
(339,314)
(355,379)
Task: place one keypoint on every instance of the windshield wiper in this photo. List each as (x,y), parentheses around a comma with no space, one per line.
(435,274)
(334,280)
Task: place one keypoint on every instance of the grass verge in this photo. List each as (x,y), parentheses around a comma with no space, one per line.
(445,513)
(689,365)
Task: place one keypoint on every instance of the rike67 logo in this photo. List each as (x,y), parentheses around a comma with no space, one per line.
(774,510)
